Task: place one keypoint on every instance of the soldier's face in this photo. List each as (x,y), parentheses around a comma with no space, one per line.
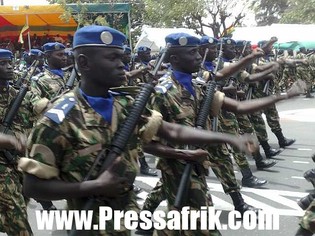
(229,51)
(6,69)
(145,56)
(127,57)
(107,67)
(212,53)
(58,59)
(189,59)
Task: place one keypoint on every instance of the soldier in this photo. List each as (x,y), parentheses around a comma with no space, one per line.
(131,74)
(63,145)
(13,214)
(256,124)
(53,80)
(178,99)
(229,122)
(272,116)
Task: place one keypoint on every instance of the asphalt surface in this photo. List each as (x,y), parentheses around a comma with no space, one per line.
(286,184)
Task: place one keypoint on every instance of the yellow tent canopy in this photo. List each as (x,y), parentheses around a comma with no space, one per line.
(41,20)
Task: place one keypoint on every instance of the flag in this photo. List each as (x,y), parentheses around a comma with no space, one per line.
(228,31)
(24,31)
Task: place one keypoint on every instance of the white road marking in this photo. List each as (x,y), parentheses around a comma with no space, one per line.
(297,177)
(301,162)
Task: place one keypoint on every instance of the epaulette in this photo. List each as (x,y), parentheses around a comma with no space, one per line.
(126,90)
(165,83)
(58,113)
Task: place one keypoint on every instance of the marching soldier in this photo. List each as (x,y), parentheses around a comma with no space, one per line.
(52,81)
(13,213)
(65,142)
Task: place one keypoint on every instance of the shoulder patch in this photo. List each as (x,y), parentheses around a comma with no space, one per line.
(165,83)
(58,113)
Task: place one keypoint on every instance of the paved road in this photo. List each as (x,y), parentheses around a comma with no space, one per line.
(286,183)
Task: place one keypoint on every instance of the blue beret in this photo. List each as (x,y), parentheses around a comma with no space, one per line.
(182,39)
(127,49)
(5,54)
(228,41)
(143,49)
(55,46)
(36,52)
(98,36)
(208,40)
(261,43)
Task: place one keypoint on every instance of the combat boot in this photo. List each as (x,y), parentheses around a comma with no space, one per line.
(261,163)
(283,142)
(240,205)
(303,232)
(310,176)
(309,95)
(269,152)
(251,181)
(145,169)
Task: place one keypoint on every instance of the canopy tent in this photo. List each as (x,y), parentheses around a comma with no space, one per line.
(295,45)
(154,38)
(42,20)
(284,32)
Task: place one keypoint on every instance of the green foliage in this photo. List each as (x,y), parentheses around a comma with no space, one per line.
(300,12)
(269,11)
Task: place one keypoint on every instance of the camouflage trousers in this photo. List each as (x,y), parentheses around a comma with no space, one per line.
(155,197)
(244,123)
(229,124)
(197,197)
(13,213)
(308,220)
(272,115)
(304,73)
(222,166)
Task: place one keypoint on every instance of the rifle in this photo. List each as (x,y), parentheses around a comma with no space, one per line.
(122,135)
(11,113)
(199,77)
(218,66)
(70,82)
(19,82)
(200,124)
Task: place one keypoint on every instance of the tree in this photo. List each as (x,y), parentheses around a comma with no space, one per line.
(299,12)
(268,12)
(197,15)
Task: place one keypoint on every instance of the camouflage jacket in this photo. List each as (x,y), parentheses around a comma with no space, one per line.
(66,146)
(49,84)
(23,121)
(177,105)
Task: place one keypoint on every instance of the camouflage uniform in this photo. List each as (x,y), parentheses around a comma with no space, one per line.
(271,112)
(308,220)
(49,84)
(304,72)
(229,124)
(179,106)
(66,149)
(13,214)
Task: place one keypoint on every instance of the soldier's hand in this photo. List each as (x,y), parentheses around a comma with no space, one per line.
(110,184)
(273,39)
(197,155)
(257,52)
(10,142)
(297,88)
(275,66)
(247,143)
